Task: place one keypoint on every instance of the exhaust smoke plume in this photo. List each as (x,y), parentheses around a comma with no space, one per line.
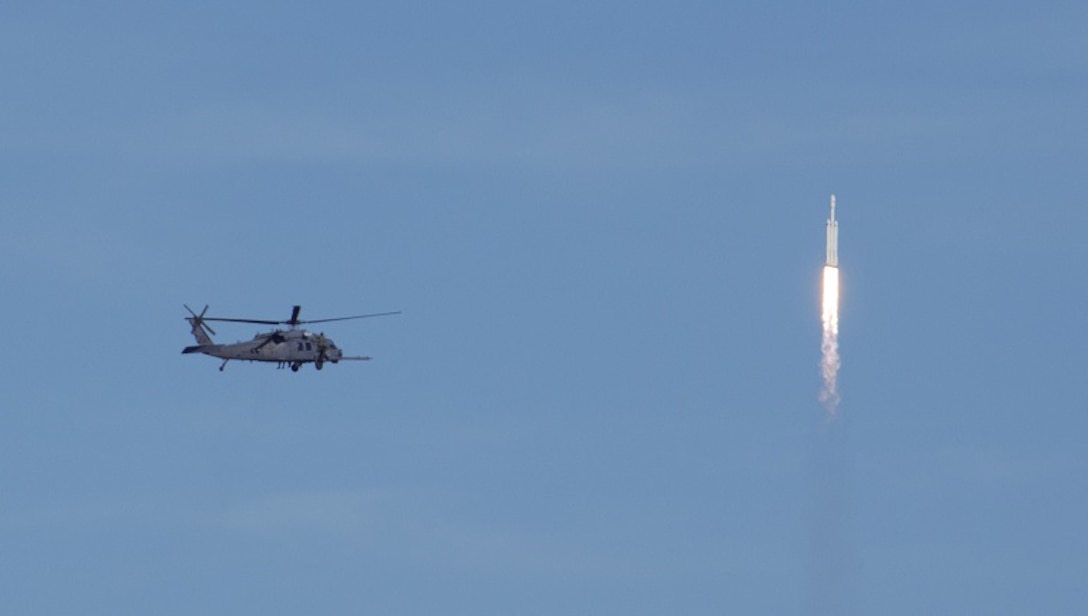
(829,364)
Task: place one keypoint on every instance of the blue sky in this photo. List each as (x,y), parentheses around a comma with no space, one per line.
(604,225)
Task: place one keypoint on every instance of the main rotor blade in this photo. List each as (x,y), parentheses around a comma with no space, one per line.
(294,316)
(293,321)
(361,316)
(245,321)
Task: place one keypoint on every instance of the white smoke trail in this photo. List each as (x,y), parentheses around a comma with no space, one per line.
(829,364)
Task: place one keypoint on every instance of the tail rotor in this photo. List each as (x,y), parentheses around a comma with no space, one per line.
(201,330)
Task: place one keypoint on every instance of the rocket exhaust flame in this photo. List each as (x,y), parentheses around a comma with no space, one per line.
(829,364)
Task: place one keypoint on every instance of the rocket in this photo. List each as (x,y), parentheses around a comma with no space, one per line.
(832,238)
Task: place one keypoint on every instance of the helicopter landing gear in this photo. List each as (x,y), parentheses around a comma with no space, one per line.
(223,365)
(319,364)
(295,366)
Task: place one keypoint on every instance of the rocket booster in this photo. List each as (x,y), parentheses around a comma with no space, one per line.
(832,238)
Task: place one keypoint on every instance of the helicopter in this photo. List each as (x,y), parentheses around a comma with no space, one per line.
(291,347)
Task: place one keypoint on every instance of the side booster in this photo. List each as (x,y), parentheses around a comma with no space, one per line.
(832,238)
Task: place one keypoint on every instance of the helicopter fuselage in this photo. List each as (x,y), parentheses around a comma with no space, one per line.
(281,346)
(291,348)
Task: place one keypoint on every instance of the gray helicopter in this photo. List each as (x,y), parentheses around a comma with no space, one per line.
(291,347)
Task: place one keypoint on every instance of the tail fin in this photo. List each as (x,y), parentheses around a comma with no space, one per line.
(201,331)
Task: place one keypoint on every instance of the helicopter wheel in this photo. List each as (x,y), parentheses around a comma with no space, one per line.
(294,367)
(319,364)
